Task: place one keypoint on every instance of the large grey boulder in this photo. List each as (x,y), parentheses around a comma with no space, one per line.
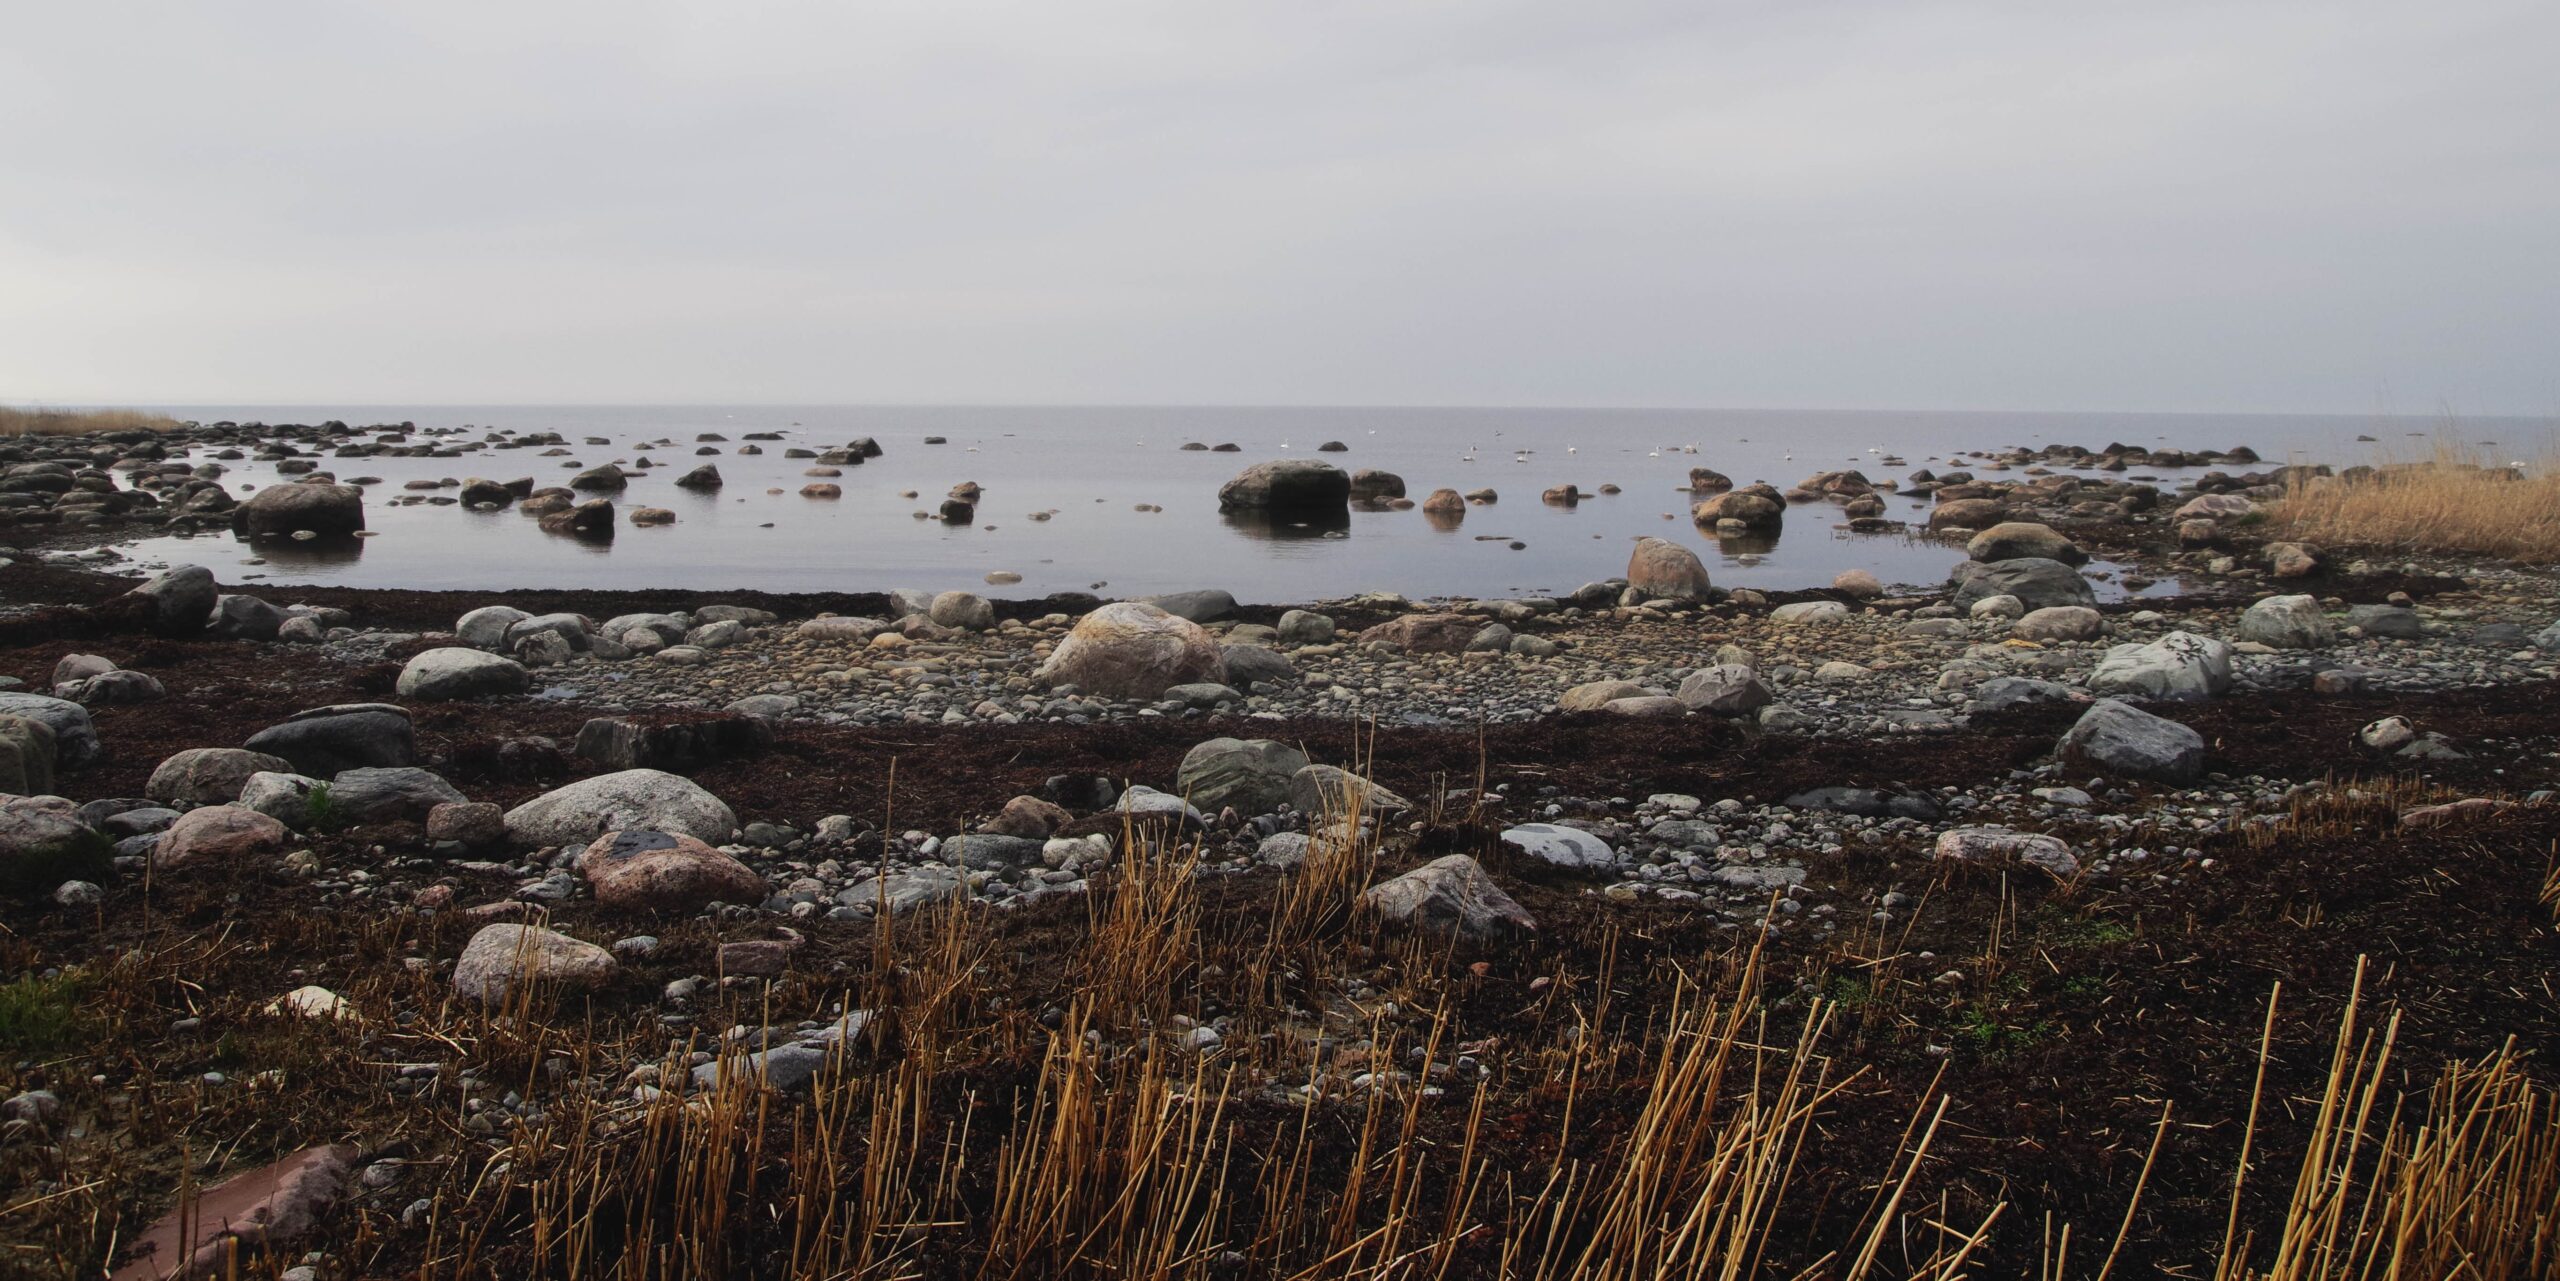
(486,627)
(670,628)
(282,796)
(243,617)
(111,689)
(2037,582)
(835,630)
(1726,689)
(903,892)
(2121,739)
(2060,623)
(26,756)
(1133,650)
(2180,667)
(325,741)
(385,795)
(571,628)
(181,599)
(208,775)
(75,736)
(2389,622)
(1450,895)
(41,848)
(2287,622)
(992,851)
(1591,696)
(1257,665)
(453,673)
(967,611)
(2000,693)
(1250,774)
(641,799)
(317,506)
(1306,627)
(2548,637)
(1568,847)
(1287,485)
(1996,846)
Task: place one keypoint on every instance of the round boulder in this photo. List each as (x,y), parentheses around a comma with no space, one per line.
(2287,622)
(452,673)
(1659,567)
(1132,650)
(646,871)
(2035,580)
(500,958)
(1250,774)
(632,799)
(1287,485)
(2015,539)
(217,832)
(284,510)
(209,775)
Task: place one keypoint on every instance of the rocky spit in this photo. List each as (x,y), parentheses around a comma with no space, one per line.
(2126,794)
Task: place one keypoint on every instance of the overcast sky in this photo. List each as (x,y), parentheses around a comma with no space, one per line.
(2337,205)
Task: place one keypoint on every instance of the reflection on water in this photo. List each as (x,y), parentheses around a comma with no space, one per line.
(304,554)
(1290,528)
(1446,522)
(1757,542)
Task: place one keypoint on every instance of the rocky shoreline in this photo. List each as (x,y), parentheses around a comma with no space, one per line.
(672,805)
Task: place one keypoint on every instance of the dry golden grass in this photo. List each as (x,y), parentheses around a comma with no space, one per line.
(79,422)
(2456,498)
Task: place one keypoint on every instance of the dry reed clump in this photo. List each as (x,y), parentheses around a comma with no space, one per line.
(2456,499)
(79,422)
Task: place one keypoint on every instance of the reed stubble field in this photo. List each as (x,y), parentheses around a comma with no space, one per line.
(2330,1058)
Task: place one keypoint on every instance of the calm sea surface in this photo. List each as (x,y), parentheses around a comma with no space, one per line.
(1092,469)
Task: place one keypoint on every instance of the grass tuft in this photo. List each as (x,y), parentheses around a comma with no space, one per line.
(39,1014)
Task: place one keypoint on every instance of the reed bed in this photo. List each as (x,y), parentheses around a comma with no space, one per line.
(79,422)
(2457,498)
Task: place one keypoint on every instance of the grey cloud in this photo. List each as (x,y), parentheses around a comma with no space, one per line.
(2175,205)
